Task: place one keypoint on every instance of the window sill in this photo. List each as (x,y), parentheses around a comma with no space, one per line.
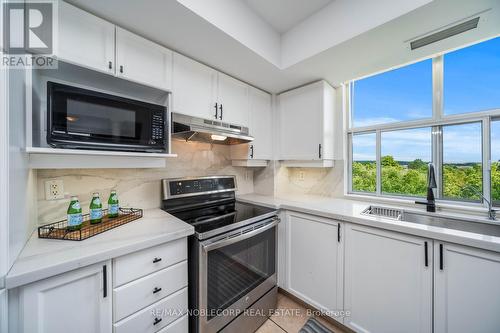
(443,206)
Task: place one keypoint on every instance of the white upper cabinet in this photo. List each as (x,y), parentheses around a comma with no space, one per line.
(88,41)
(315,253)
(306,124)
(466,279)
(388,281)
(193,88)
(142,61)
(200,91)
(261,120)
(78,301)
(232,96)
(85,39)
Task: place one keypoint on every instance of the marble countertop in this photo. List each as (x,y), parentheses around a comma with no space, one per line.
(350,211)
(42,258)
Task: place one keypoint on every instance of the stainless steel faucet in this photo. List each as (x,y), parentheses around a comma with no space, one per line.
(492,213)
(431,185)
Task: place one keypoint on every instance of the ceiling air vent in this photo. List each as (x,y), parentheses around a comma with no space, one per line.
(443,34)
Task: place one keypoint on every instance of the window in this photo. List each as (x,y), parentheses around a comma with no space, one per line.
(364,168)
(395,129)
(384,98)
(405,156)
(471,78)
(495,162)
(462,162)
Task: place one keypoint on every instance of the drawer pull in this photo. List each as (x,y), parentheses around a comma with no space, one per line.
(155,260)
(157,320)
(156,290)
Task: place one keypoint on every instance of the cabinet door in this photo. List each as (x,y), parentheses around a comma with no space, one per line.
(315,261)
(388,286)
(75,301)
(233,96)
(261,119)
(193,90)
(85,39)
(466,290)
(3,311)
(142,61)
(301,123)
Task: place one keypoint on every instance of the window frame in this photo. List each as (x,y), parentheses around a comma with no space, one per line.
(435,122)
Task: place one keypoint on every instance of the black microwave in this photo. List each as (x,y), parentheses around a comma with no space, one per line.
(78,118)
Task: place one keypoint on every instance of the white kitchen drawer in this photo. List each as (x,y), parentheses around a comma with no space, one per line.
(142,263)
(167,310)
(181,325)
(138,294)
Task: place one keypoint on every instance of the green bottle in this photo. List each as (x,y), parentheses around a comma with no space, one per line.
(113,206)
(95,209)
(75,218)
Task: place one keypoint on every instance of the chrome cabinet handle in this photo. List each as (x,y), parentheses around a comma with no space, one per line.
(216,111)
(156,290)
(121,69)
(251,151)
(220,108)
(155,260)
(110,65)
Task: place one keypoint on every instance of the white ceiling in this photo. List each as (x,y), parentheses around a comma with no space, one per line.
(174,25)
(283,15)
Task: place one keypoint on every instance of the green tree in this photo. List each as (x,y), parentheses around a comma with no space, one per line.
(417,164)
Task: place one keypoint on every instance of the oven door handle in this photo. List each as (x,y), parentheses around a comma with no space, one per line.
(232,240)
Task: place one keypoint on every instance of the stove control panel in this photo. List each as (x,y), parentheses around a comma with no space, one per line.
(197,186)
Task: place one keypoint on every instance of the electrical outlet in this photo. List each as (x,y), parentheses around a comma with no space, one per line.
(301,176)
(54,189)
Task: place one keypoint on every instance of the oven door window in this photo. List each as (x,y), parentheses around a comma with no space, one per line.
(236,269)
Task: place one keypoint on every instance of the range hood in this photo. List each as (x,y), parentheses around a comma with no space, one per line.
(189,128)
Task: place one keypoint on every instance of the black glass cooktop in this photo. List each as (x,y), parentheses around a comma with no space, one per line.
(221,216)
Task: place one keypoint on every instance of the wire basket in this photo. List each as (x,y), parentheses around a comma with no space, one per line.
(59,230)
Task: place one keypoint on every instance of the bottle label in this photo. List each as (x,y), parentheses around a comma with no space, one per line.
(113,209)
(75,219)
(96,214)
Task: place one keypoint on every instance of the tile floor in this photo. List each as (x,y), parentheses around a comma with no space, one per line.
(290,317)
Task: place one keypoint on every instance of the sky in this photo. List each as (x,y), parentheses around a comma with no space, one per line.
(471,83)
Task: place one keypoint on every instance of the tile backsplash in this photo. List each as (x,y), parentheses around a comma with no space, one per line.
(327,182)
(139,188)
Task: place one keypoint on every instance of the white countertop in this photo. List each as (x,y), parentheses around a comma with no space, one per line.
(350,211)
(42,258)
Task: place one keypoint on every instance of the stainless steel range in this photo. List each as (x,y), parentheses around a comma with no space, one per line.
(232,256)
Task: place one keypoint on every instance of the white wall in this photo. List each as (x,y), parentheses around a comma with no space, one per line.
(338,22)
(236,19)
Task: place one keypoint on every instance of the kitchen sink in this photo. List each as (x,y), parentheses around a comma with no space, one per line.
(477,227)
(483,228)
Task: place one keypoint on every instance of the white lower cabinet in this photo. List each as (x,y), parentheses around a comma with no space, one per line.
(147,294)
(78,302)
(150,289)
(388,281)
(466,289)
(315,260)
